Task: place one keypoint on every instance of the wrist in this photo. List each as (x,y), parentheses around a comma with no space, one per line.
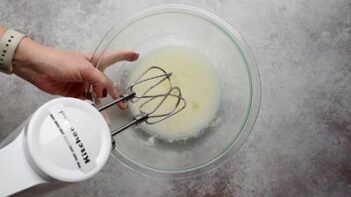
(26,53)
(9,42)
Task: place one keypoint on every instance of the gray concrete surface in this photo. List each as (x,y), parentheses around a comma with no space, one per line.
(301,143)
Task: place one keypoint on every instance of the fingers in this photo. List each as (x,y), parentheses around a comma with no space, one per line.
(103,113)
(116,56)
(106,117)
(97,79)
(100,82)
(116,94)
(103,86)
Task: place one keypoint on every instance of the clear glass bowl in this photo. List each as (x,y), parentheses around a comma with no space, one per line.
(179,25)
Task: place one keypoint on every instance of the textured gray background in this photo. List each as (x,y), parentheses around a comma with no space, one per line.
(301,143)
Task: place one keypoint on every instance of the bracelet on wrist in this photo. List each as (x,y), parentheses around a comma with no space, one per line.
(8,44)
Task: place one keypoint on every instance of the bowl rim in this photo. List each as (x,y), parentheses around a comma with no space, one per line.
(253,72)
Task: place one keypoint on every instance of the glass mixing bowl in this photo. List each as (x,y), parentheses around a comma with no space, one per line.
(178,25)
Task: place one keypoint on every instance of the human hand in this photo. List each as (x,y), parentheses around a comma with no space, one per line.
(65,73)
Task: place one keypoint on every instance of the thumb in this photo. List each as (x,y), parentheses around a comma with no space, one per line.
(116,56)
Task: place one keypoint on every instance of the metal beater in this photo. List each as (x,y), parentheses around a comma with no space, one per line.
(152,116)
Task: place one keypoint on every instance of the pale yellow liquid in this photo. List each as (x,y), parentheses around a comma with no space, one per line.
(199,84)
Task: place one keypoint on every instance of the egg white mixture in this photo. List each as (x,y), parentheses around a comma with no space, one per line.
(198,81)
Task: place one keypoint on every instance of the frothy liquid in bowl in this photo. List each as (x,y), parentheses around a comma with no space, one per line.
(200,86)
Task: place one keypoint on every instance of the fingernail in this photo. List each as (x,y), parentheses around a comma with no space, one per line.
(134,57)
(104,93)
(123,105)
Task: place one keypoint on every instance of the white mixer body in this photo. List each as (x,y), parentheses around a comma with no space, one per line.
(65,140)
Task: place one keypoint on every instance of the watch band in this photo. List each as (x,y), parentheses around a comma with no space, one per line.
(8,45)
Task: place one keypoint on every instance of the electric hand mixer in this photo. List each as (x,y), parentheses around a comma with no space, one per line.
(67,139)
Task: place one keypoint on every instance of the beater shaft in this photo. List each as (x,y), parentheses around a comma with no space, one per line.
(123,98)
(136,121)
